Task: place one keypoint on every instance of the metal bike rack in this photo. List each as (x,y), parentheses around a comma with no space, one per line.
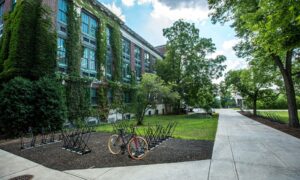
(32,140)
(157,134)
(76,140)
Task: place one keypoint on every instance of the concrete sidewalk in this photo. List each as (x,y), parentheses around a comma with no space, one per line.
(13,166)
(244,149)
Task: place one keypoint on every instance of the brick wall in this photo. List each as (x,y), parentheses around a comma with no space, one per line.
(132,60)
(7,5)
(143,61)
(52,4)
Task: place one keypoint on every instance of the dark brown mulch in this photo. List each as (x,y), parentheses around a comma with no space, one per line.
(276,125)
(53,156)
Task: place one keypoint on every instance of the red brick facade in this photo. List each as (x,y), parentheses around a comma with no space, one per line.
(132,55)
(7,5)
(143,61)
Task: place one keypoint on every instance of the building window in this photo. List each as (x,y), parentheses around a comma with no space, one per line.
(1,18)
(13,4)
(94,97)
(138,67)
(126,68)
(126,71)
(1,13)
(61,52)
(110,96)
(147,62)
(109,59)
(127,97)
(88,62)
(88,25)
(62,11)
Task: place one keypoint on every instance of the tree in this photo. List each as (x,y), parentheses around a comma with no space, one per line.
(269,28)
(225,96)
(149,93)
(186,66)
(252,83)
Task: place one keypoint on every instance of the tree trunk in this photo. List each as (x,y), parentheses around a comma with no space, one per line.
(291,99)
(255,106)
(289,88)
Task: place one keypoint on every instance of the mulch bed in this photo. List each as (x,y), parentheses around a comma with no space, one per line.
(276,125)
(53,156)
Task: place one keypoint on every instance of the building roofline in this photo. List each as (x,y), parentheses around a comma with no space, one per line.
(124,26)
(160,46)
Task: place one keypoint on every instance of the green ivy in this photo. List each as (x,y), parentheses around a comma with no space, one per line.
(117,53)
(73,42)
(77,88)
(29,42)
(5,39)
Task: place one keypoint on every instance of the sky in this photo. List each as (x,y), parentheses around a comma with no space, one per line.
(149,17)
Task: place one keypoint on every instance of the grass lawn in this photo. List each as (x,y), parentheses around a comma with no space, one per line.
(283,116)
(189,127)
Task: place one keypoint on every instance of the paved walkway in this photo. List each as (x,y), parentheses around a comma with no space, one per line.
(244,149)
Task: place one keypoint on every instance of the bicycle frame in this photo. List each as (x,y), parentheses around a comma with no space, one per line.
(126,140)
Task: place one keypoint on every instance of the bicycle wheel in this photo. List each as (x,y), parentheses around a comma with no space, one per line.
(114,144)
(137,148)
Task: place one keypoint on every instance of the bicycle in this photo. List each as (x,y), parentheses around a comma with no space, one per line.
(137,146)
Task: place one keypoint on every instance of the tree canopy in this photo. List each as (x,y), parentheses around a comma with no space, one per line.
(269,29)
(253,84)
(150,92)
(187,67)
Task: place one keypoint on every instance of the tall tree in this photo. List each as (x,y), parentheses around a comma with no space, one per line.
(253,84)
(267,27)
(186,66)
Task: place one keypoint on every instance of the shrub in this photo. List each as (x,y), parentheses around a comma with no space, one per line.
(27,104)
(16,106)
(50,107)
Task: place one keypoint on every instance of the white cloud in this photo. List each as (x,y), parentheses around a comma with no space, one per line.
(195,13)
(141,2)
(232,62)
(128,2)
(163,16)
(228,45)
(116,10)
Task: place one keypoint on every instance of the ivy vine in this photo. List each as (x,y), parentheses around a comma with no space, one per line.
(77,88)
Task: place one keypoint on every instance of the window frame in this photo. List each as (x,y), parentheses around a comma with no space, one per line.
(138,62)
(90,28)
(109,55)
(126,58)
(62,11)
(93,97)
(88,59)
(61,48)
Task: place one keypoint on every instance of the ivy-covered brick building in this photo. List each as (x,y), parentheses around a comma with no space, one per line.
(94,44)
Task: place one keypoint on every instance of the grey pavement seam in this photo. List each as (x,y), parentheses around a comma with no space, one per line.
(20,171)
(234,163)
(104,173)
(74,175)
(209,169)
(284,162)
